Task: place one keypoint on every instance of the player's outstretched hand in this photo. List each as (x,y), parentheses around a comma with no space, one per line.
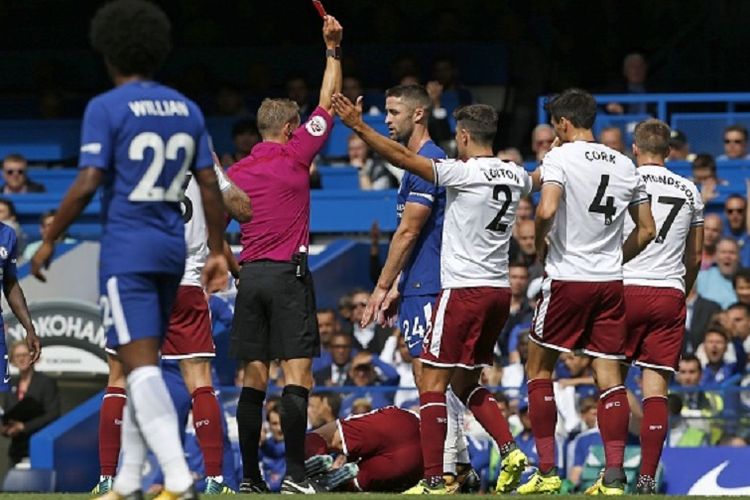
(373,306)
(332,32)
(41,259)
(215,273)
(389,309)
(33,344)
(350,114)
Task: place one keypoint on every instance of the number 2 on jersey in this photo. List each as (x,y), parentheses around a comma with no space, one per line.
(596,206)
(497,224)
(147,190)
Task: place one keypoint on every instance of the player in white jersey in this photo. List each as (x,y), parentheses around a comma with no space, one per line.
(588,190)
(188,340)
(482,194)
(656,283)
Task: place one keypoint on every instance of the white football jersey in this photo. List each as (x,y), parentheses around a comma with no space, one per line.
(677,207)
(196,233)
(599,184)
(482,195)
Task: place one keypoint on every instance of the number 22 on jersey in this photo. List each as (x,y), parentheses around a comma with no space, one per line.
(146,189)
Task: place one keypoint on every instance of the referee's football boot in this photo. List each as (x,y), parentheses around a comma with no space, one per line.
(250,486)
(307,486)
(511,468)
(103,486)
(542,484)
(432,486)
(113,495)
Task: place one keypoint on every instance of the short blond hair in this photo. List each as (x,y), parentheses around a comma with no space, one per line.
(273,114)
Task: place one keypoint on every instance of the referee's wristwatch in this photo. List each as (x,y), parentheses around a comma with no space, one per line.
(334,52)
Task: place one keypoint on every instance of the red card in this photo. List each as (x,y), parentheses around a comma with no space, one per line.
(319,7)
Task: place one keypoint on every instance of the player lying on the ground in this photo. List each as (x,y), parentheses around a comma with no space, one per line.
(384,444)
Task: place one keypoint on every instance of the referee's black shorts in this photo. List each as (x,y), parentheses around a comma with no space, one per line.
(274,314)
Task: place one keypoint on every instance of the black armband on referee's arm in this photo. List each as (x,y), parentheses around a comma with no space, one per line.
(335,53)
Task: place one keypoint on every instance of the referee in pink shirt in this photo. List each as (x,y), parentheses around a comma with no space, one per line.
(274,315)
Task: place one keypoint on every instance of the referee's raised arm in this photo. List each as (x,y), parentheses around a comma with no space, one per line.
(332,33)
(275,306)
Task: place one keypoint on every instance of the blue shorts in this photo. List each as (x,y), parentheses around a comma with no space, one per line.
(136,305)
(415,320)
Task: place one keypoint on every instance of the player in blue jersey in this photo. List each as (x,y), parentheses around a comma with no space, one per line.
(17,302)
(415,254)
(138,141)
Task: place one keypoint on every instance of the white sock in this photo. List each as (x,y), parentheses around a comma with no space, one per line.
(455,450)
(133,455)
(157,420)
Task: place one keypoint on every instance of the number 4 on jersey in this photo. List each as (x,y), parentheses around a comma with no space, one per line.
(609,208)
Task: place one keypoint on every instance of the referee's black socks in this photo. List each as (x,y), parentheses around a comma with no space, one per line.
(249,424)
(294,425)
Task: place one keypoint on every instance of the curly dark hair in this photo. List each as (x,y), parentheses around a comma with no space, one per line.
(132,35)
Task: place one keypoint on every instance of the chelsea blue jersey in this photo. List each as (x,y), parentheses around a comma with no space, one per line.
(421,275)
(8,254)
(145,137)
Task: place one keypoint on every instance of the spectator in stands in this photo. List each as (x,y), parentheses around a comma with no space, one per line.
(712,231)
(298,91)
(524,238)
(32,403)
(351,87)
(341,356)
(579,375)
(245,135)
(735,144)
(542,138)
(679,148)
(396,353)
(704,175)
(612,138)
(634,71)
(735,210)
(445,72)
(45,222)
(230,102)
(699,314)
(715,283)
(327,326)
(367,371)
(578,448)
(16,180)
(324,408)
(683,431)
(732,440)
(692,405)
(520,309)
(741,283)
(361,406)
(373,173)
(273,451)
(345,312)
(738,316)
(716,370)
(511,154)
(371,338)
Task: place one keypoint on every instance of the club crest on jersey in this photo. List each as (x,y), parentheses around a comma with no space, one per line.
(316,126)
(3,252)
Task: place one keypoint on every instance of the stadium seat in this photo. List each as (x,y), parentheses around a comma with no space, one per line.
(30,480)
